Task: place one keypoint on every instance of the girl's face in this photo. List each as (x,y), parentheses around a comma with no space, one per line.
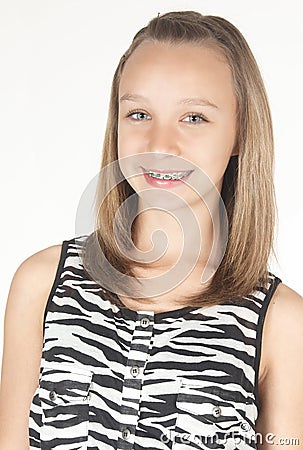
(177,101)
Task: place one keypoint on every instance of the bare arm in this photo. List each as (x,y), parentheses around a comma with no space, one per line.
(23,337)
(281,392)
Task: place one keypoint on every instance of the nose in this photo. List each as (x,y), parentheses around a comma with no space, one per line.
(163,139)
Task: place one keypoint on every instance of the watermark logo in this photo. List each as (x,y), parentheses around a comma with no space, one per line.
(225,438)
(169,199)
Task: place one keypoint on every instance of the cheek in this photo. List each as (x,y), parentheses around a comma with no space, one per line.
(124,145)
(214,168)
(128,141)
(213,153)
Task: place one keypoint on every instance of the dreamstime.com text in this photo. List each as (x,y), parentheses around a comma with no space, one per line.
(257,438)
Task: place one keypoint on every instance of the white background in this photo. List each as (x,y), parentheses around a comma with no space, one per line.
(57,62)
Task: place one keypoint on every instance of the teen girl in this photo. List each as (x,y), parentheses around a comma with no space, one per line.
(179,364)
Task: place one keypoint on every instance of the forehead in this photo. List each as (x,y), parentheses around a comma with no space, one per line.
(162,68)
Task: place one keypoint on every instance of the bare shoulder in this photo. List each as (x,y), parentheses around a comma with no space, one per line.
(38,259)
(41,261)
(23,339)
(283,321)
(285,296)
(33,280)
(38,263)
(281,390)
(285,311)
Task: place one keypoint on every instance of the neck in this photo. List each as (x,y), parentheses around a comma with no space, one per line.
(185,231)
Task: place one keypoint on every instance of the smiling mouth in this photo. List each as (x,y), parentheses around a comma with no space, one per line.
(167,175)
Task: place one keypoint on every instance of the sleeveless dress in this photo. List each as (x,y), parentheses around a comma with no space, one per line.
(115,378)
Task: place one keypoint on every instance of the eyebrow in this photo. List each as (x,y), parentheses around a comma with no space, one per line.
(185,101)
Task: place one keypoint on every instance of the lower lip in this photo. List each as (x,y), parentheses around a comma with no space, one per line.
(164,183)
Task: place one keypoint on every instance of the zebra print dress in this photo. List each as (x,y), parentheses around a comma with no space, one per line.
(115,378)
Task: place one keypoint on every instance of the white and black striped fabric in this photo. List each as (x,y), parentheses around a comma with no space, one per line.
(114,378)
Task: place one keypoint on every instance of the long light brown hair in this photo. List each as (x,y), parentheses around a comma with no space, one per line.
(247,190)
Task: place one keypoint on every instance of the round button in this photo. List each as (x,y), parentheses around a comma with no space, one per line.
(135,371)
(245,426)
(144,322)
(216,411)
(126,434)
(52,395)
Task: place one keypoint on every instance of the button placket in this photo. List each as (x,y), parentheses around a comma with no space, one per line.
(131,391)
(135,370)
(52,396)
(216,412)
(144,322)
(245,426)
(126,433)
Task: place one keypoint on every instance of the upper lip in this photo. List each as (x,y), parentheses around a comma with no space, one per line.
(165,171)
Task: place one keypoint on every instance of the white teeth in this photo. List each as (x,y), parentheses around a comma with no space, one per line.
(168,176)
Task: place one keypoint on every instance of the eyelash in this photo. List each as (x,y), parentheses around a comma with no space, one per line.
(131,112)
